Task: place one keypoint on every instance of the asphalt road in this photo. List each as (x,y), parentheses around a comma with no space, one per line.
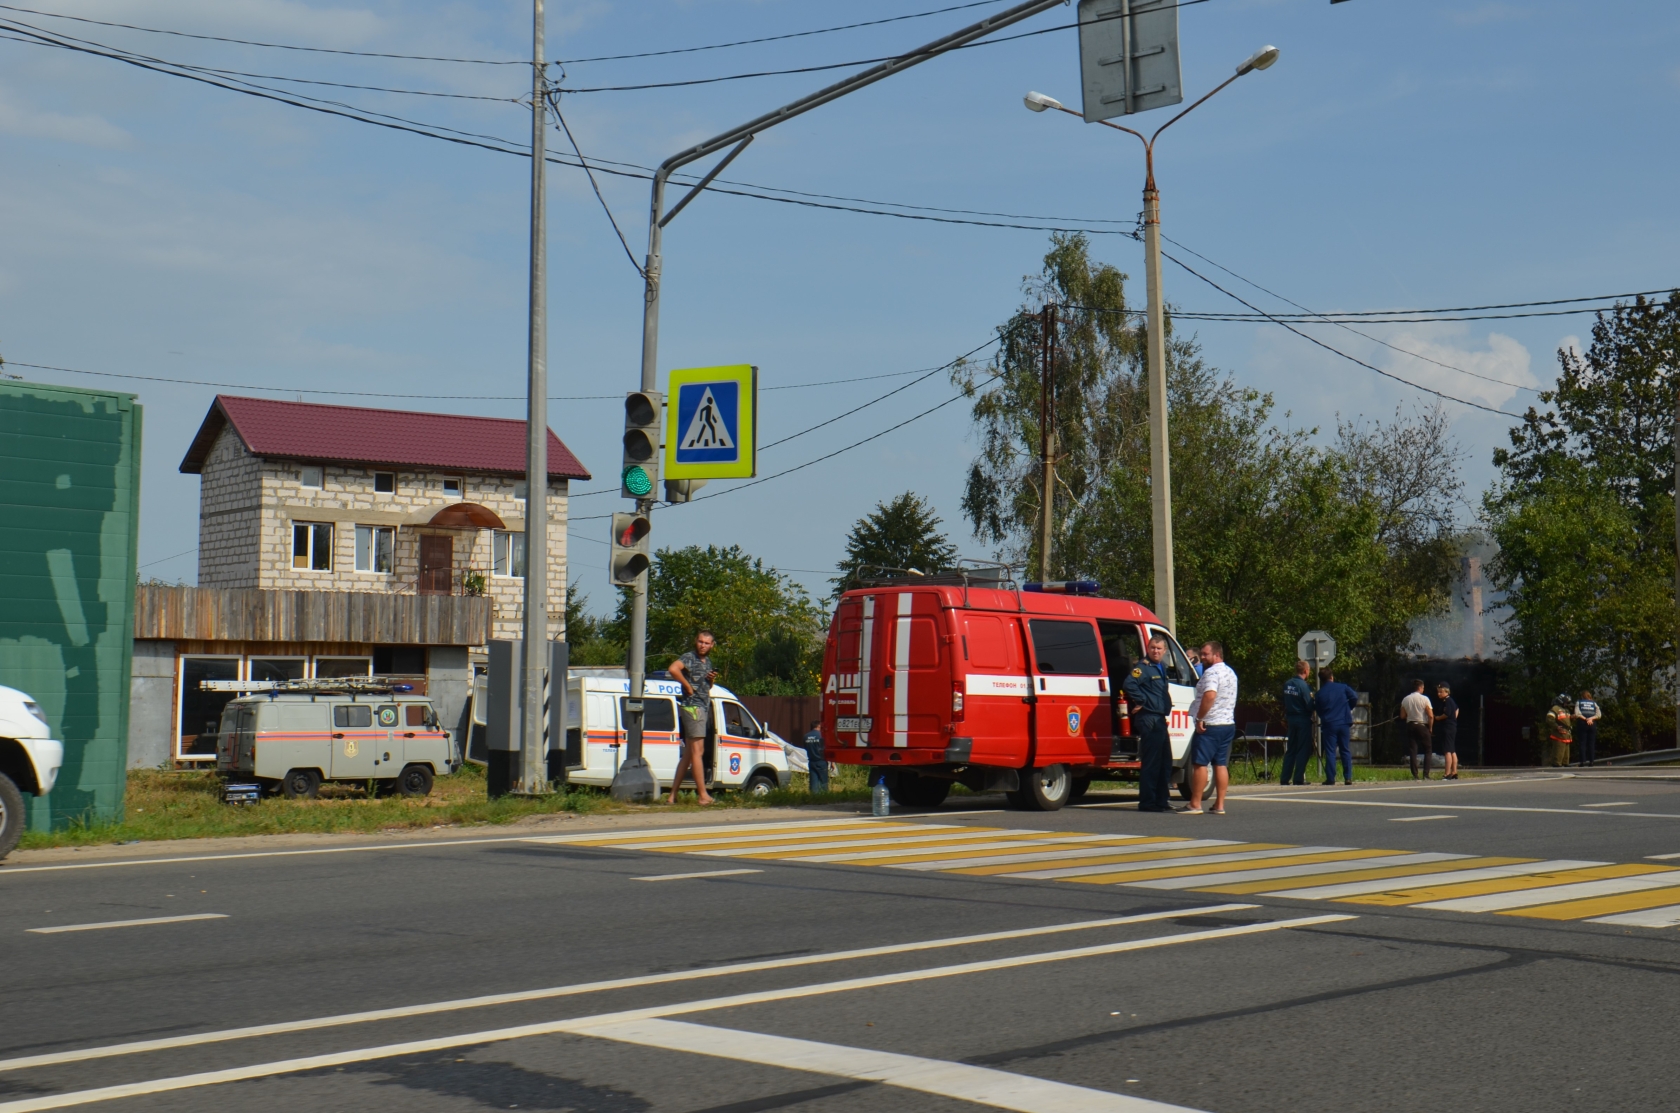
(743,990)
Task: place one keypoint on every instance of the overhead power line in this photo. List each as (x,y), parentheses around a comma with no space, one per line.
(267,45)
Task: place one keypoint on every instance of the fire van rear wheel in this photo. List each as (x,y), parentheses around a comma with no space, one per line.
(910,790)
(1081,785)
(1047,789)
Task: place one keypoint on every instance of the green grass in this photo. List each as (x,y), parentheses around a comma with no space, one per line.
(163,804)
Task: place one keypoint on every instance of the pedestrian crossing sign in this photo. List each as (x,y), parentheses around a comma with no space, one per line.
(711,423)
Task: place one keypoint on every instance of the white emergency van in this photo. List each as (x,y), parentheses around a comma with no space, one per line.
(741,752)
(30,758)
(298,734)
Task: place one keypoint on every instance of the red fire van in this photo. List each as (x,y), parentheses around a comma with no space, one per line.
(956,678)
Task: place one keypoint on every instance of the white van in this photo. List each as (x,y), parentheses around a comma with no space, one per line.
(298,734)
(740,751)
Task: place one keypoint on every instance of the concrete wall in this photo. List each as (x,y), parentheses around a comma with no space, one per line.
(151,705)
(448,682)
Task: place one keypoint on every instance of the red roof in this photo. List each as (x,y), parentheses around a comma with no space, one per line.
(359,435)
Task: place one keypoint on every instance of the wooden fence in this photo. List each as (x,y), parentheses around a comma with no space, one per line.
(788,716)
(178,613)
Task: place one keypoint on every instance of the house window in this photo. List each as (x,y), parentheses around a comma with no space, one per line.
(454,486)
(508,553)
(339,667)
(278,668)
(373,548)
(309,475)
(385,482)
(201,711)
(312,546)
(520,489)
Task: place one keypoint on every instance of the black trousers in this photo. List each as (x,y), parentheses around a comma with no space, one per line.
(1297,753)
(1586,743)
(1155,751)
(1417,737)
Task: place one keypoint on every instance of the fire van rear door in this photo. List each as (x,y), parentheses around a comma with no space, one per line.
(911,674)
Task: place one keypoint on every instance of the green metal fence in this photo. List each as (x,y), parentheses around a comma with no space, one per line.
(69,516)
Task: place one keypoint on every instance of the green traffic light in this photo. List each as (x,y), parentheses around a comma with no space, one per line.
(636,481)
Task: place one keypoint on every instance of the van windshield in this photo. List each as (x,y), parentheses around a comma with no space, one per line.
(1066,648)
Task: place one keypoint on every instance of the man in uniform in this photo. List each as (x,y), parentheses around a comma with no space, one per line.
(1150,702)
(1297,712)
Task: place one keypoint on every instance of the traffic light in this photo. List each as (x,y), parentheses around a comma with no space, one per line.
(682,490)
(644,413)
(629,547)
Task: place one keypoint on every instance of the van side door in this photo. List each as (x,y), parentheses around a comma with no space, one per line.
(1071,687)
(356,742)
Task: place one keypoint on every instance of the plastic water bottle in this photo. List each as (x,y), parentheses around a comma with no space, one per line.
(881,800)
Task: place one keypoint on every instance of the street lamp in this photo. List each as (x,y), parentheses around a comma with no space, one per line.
(1160,486)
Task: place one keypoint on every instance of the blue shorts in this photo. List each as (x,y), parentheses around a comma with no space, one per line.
(1213,745)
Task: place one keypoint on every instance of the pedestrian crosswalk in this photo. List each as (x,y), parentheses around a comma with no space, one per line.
(1628,895)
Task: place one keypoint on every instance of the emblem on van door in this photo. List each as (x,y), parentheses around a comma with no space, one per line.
(387,716)
(1073,720)
(734,764)
(350,747)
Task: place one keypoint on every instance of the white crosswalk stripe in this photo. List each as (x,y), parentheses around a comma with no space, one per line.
(1594,892)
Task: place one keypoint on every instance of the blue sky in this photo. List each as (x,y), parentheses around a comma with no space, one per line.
(1401,153)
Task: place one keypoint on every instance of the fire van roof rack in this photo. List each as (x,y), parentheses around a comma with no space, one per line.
(968,573)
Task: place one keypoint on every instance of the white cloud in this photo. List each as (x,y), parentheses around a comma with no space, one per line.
(92,131)
(1445,358)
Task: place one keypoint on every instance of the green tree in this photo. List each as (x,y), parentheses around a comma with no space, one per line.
(1584,517)
(1273,534)
(769,633)
(591,640)
(903,533)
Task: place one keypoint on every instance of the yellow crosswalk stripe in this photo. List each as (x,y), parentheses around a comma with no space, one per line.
(1496,885)
(1117,856)
(716,837)
(1598,906)
(1027,852)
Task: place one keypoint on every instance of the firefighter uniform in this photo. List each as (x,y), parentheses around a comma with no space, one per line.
(1150,702)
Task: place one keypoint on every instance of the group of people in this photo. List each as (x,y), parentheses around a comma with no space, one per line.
(1333,705)
(1574,724)
(1428,723)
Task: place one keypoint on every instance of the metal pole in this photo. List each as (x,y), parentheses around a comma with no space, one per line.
(1160,463)
(1047,434)
(533,772)
(634,780)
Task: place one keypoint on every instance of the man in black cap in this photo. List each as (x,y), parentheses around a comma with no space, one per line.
(1149,702)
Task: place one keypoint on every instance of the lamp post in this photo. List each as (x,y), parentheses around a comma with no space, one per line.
(1160,471)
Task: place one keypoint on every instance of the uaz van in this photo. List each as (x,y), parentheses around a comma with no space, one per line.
(948,679)
(301,734)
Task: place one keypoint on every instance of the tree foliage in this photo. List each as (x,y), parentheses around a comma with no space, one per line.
(901,534)
(1273,534)
(1584,518)
(769,633)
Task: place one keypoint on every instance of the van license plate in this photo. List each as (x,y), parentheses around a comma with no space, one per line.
(854,726)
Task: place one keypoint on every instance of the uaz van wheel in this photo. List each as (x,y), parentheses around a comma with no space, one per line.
(1047,789)
(415,780)
(11,815)
(300,784)
(759,784)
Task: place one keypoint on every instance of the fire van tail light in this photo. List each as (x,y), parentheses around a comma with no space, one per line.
(956,701)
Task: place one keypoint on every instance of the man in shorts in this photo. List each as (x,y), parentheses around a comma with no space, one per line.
(693,670)
(1446,728)
(1215,710)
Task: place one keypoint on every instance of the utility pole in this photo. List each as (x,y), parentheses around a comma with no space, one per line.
(533,762)
(1047,432)
(1677,547)
(1160,461)
(634,780)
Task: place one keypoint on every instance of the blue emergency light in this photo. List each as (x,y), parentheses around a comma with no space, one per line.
(1065,587)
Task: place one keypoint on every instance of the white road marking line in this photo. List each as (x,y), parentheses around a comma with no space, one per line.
(1668,916)
(1612,804)
(576,1024)
(687,876)
(876,831)
(1553,894)
(137,1047)
(1460,807)
(1418,818)
(978,841)
(1412,787)
(846,842)
(127,923)
(980,1085)
(1308,870)
(1661,857)
(1167,863)
(1428,880)
(6,871)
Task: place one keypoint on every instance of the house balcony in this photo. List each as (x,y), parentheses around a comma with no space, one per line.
(209,614)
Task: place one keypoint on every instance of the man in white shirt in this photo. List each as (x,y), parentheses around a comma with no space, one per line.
(1419,714)
(1215,709)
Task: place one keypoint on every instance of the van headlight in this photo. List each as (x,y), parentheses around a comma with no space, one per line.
(34,709)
